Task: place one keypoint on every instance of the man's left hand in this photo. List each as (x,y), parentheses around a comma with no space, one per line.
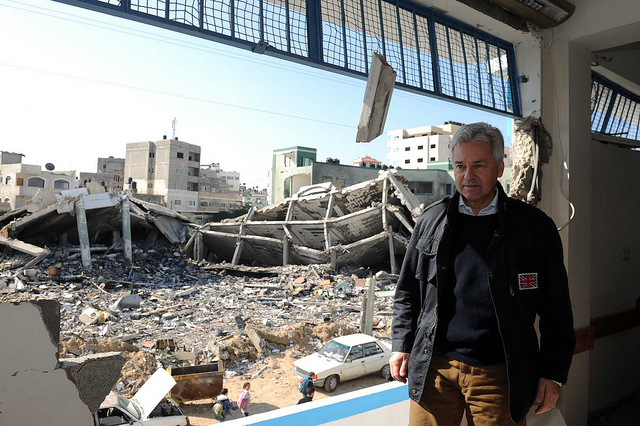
(548,393)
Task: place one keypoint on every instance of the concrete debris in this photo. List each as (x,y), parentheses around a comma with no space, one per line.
(367,224)
(172,312)
(531,148)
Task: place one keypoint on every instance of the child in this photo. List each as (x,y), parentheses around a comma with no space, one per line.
(244,399)
(308,397)
(223,406)
(305,382)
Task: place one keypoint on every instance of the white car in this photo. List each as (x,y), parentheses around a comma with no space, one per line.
(146,408)
(345,358)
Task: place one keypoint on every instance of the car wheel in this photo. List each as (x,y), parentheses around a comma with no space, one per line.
(331,383)
(386,373)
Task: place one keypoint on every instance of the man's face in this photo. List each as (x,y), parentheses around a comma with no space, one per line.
(476,173)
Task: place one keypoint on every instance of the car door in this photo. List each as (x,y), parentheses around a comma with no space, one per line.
(374,357)
(354,363)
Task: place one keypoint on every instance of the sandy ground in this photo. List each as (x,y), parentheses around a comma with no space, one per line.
(275,388)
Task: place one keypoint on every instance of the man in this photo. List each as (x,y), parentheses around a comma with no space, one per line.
(310,391)
(478,269)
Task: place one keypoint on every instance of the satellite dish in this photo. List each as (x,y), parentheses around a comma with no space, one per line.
(49,166)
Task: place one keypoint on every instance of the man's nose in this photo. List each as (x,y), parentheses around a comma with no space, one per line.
(469,173)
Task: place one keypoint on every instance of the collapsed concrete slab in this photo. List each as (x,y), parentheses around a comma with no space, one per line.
(364,224)
(34,388)
(88,219)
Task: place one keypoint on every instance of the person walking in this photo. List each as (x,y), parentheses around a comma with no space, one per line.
(479,268)
(244,399)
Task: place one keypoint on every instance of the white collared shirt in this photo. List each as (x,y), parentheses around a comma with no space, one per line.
(492,208)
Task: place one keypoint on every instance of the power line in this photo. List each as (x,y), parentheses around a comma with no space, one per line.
(192,98)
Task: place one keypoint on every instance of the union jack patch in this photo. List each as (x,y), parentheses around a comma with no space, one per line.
(528,281)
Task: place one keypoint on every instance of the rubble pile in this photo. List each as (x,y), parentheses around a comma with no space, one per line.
(167,310)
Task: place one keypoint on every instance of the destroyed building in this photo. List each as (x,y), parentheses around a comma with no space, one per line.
(365,224)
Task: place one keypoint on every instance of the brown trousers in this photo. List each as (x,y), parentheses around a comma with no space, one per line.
(453,388)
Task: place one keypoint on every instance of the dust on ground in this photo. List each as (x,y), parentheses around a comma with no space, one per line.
(275,388)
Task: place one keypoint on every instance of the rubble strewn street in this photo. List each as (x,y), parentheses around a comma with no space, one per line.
(166,310)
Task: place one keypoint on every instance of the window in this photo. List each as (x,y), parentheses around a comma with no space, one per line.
(371,349)
(420,146)
(423,188)
(177,202)
(149,185)
(104,166)
(449,189)
(35,182)
(223,205)
(407,148)
(420,160)
(432,159)
(178,186)
(8,180)
(203,204)
(192,203)
(432,146)
(355,353)
(152,154)
(178,171)
(407,161)
(61,184)
(180,155)
(151,170)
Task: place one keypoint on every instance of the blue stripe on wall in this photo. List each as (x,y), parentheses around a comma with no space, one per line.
(341,410)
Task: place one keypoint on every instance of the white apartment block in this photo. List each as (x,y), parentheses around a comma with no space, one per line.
(414,148)
(19,182)
(232,179)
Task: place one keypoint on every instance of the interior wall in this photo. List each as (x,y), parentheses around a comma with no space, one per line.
(615,267)
(566,116)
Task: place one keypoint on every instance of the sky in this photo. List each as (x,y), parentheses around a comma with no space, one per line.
(76,85)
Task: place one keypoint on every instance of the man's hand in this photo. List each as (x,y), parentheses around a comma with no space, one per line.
(548,393)
(399,363)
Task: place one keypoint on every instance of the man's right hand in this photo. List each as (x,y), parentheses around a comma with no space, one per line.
(399,363)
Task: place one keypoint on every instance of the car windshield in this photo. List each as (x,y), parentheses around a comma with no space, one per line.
(335,350)
(128,406)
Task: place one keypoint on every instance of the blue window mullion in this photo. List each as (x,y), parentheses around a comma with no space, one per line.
(490,76)
(314,30)
(288,25)
(605,122)
(475,41)
(513,79)
(466,66)
(344,34)
(435,60)
(384,47)
(404,68)
(261,12)
(232,13)
(453,79)
(626,117)
(364,38)
(415,32)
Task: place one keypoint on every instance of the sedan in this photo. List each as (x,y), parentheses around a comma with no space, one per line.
(345,358)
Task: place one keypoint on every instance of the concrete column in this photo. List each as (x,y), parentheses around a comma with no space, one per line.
(126,229)
(566,115)
(83,234)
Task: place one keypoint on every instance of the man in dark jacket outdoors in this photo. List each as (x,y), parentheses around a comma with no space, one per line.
(479,268)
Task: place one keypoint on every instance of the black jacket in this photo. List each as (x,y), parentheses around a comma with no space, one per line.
(526,242)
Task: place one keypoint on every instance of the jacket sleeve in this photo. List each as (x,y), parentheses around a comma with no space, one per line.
(407,303)
(557,336)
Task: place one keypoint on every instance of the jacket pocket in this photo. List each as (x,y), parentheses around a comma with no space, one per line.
(427,259)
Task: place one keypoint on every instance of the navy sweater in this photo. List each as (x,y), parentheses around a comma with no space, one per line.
(467,325)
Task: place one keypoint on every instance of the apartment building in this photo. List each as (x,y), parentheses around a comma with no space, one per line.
(367,161)
(109,173)
(167,167)
(421,147)
(296,167)
(19,182)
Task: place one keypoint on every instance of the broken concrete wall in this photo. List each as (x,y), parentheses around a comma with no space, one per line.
(531,148)
(33,389)
(36,387)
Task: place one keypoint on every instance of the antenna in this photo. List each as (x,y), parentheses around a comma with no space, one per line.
(173,125)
